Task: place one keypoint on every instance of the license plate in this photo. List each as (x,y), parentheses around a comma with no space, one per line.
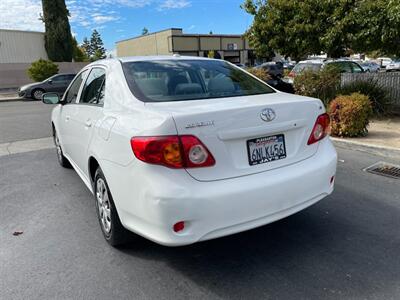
(265,149)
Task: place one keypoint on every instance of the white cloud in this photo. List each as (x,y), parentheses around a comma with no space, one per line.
(174,4)
(21,15)
(101,19)
(25,14)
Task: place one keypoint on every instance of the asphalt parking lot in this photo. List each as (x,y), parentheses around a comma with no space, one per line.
(344,247)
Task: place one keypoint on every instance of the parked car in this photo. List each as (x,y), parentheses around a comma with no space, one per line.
(384,61)
(288,65)
(56,83)
(344,66)
(272,68)
(370,66)
(393,66)
(183,149)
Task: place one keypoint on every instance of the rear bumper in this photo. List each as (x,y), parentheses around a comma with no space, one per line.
(151,206)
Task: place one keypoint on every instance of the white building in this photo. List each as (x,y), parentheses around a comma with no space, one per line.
(18,46)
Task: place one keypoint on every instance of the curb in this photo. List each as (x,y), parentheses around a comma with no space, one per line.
(12,99)
(389,152)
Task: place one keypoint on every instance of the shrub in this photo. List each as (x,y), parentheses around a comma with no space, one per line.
(377,94)
(350,115)
(260,73)
(321,84)
(42,69)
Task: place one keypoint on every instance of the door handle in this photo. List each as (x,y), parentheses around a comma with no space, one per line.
(88,123)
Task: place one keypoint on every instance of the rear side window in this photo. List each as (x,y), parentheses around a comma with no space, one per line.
(93,86)
(178,80)
(72,93)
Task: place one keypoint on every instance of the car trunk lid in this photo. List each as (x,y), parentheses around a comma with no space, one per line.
(233,130)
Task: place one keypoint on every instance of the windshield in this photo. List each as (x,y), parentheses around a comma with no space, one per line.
(178,80)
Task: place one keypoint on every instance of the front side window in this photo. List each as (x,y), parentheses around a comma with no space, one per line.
(179,80)
(72,93)
(91,92)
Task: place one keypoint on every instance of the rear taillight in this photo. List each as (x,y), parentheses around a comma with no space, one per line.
(320,130)
(183,151)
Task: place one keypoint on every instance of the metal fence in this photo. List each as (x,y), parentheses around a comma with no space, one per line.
(389,81)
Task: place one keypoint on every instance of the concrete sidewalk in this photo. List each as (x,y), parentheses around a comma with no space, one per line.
(383,138)
(10,94)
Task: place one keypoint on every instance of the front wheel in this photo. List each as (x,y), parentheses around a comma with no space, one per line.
(62,160)
(113,231)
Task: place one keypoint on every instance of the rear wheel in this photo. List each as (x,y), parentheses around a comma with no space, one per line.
(37,94)
(62,160)
(113,231)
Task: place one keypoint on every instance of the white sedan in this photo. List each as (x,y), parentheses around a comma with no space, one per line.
(183,149)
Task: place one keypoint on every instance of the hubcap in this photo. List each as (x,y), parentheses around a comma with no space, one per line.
(58,147)
(38,94)
(103,205)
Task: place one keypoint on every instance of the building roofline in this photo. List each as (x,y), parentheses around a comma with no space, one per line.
(185,35)
(151,33)
(209,35)
(17,30)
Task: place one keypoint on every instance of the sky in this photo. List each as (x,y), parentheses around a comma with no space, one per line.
(121,19)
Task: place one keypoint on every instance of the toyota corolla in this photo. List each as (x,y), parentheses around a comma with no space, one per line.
(182,149)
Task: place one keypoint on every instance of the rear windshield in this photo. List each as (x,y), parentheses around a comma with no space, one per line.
(179,80)
(300,67)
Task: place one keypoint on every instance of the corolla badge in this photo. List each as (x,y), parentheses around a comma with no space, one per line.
(267,114)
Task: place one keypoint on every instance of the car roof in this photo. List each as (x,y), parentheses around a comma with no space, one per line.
(161,57)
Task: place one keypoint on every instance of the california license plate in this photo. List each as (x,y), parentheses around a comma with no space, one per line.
(265,149)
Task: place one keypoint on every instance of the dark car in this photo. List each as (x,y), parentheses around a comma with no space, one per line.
(273,68)
(56,83)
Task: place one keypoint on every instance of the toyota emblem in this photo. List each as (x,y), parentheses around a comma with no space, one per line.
(267,114)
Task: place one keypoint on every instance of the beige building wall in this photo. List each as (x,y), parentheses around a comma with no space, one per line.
(158,43)
(21,46)
(185,43)
(231,47)
(210,43)
(238,42)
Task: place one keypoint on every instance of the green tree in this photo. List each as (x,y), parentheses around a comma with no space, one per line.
(78,53)
(145,31)
(378,27)
(42,69)
(300,28)
(86,47)
(96,46)
(58,38)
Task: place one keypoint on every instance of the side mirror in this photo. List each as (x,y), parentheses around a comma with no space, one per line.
(50,81)
(51,98)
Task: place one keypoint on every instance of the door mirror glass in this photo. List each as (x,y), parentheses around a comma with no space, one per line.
(51,98)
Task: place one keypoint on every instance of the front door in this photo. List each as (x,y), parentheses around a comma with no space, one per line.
(86,118)
(69,109)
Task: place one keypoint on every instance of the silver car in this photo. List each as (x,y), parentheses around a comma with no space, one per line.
(370,66)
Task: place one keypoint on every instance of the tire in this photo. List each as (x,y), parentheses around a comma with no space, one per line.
(110,224)
(62,160)
(37,94)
